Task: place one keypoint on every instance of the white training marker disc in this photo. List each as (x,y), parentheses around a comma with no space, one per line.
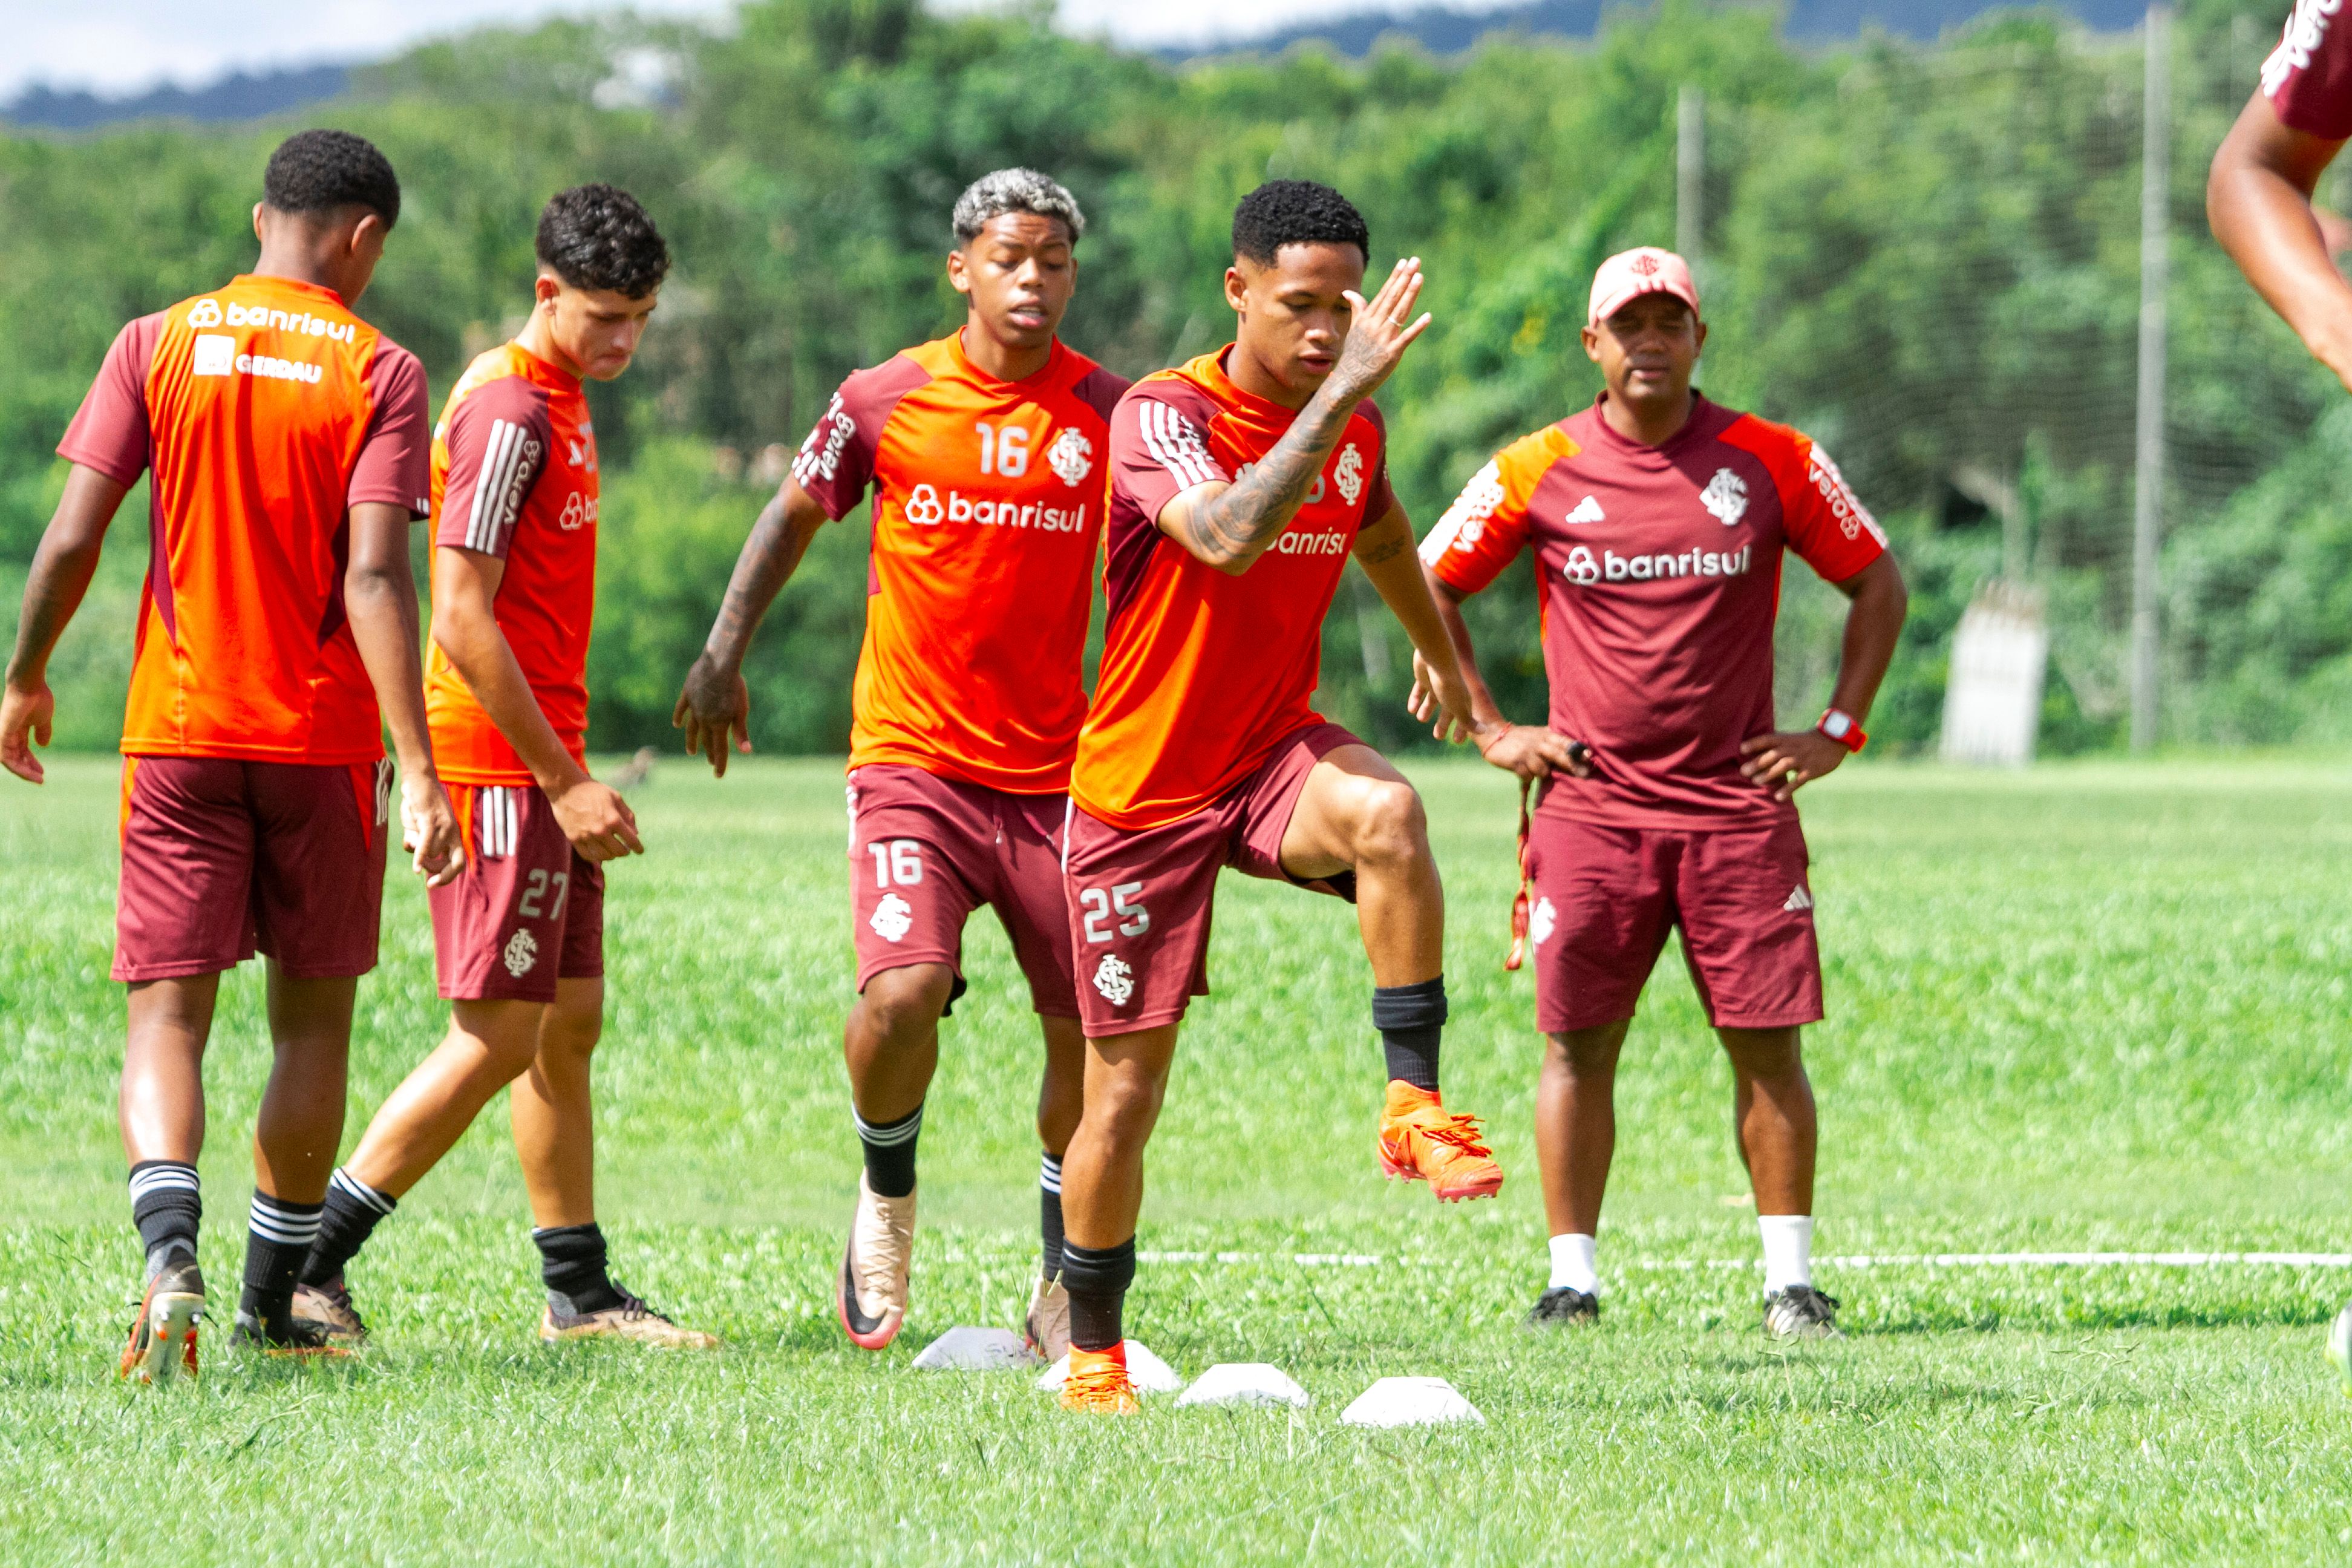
(1244,1383)
(1410,1402)
(969,1349)
(1146,1372)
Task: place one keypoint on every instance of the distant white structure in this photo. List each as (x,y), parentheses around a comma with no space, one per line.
(2000,657)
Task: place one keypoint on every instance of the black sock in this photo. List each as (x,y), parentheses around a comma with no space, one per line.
(1049,1211)
(890,1153)
(166,1204)
(1096,1280)
(571,1262)
(353,1209)
(279,1234)
(1410,1018)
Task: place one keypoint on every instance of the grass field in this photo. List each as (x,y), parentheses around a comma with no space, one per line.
(2093,1006)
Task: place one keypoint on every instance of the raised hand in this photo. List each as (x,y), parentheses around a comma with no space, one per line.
(1381,329)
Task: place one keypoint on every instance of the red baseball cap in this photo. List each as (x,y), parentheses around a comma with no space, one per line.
(1630,274)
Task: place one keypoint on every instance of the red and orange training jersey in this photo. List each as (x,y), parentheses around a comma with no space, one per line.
(2308,77)
(1203,672)
(514,476)
(987,514)
(264,411)
(1658,574)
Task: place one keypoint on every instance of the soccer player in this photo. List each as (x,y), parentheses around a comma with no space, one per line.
(285,442)
(1658,521)
(984,450)
(518,936)
(1241,483)
(2259,199)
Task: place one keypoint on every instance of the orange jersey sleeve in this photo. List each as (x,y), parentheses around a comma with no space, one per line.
(987,512)
(1204,673)
(1824,522)
(514,476)
(262,411)
(1486,527)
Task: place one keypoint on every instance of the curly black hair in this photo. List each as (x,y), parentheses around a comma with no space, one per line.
(1297,211)
(597,236)
(322,170)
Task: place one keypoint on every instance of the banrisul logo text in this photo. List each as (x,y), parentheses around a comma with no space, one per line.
(1585,567)
(207,313)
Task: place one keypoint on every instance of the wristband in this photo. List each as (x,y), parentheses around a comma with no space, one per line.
(1843,728)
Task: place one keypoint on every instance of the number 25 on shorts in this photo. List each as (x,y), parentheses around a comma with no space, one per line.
(1100,906)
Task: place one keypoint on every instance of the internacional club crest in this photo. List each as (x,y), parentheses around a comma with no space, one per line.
(1348,473)
(894,917)
(1072,457)
(1115,980)
(1726,496)
(521,953)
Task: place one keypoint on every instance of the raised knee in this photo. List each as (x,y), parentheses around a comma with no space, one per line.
(905,1002)
(1391,826)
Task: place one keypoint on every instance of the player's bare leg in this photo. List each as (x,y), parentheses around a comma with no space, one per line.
(1126,1081)
(1778,1138)
(1576,1138)
(551,1110)
(1061,1095)
(1357,812)
(891,1046)
(488,1045)
(162,1108)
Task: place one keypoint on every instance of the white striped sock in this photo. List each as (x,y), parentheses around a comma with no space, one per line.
(890,1134)
(161,1175)
(1049,1175)
(281,1222)
(351,1186)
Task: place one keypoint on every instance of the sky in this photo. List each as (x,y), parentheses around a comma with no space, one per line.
(119,47)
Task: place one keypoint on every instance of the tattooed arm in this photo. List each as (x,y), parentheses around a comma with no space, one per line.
(715,705)
(1228,526)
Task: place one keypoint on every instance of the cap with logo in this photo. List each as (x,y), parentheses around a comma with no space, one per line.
(1630,274)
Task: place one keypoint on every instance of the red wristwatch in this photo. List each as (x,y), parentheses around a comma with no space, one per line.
(1841,727)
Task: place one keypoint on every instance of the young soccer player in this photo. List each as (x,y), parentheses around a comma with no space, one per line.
(519,937)
(2259,199)
(285,442)
(1658,521)
(986,452)
(1241,484)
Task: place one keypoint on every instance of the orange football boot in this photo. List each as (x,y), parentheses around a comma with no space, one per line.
(164,1338)
(1422,1141)
(1097,1384)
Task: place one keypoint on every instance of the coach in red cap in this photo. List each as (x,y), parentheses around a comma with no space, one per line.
(1658,520)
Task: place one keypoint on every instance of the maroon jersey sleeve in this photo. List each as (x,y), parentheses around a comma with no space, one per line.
(498,438)
(109,431)
(1101,390)
(2308,77)
(837,462)
(1159,446)
(395,466)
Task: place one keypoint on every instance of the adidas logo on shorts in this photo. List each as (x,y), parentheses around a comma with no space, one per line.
(1799,900)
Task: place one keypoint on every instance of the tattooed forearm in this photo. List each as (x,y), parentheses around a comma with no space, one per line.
(1386,551)
(779,539)
(1237,527)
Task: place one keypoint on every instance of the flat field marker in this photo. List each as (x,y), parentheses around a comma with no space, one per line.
(1244,1383)
(969,1349)
(1410,1402)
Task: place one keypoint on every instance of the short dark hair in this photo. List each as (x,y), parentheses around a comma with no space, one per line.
(1297,211)
(597,236)
(322,170)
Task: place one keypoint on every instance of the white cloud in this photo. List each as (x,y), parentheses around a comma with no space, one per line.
(117,46)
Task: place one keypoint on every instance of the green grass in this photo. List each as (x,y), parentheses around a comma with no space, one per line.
(2090,1006)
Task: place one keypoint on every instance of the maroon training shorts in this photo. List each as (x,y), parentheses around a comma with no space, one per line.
(1140,898)
(926,851)
(527,911)
(1605,898)
(222,858)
